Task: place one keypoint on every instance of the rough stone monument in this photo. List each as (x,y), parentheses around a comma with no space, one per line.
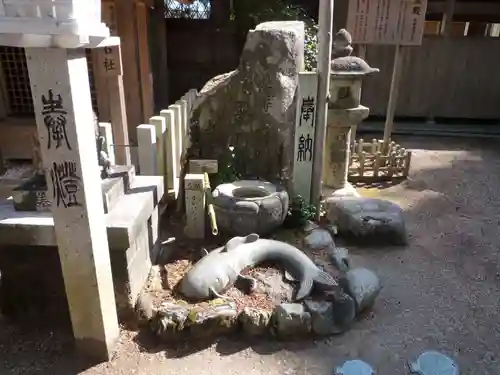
(253,107)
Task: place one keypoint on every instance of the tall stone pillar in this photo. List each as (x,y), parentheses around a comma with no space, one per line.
(63,110)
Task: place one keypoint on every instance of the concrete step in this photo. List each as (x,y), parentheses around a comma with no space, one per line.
(117,184)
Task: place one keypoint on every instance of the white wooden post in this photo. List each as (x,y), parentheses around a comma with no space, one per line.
(106,131)
(184,114)
(63,110)
(159,123)
(176,108)
(195,205)
(146,149)
(170,151)
(304,134)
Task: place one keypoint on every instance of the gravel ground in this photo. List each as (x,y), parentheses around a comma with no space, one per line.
(442,292)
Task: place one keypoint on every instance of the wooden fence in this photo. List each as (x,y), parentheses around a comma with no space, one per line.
(444,78)
(162,144)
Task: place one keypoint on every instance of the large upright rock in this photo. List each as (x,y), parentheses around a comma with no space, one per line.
(253,107)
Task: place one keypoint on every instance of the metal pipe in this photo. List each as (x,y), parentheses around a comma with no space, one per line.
(210,206)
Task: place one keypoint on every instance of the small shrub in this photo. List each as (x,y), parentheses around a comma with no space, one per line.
(299,212)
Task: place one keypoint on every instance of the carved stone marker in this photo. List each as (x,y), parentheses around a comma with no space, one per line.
(63,110)
(195,205)
(304,134)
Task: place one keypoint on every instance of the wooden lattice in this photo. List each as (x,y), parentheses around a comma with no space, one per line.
(17,82)
(369,162)
(188,9)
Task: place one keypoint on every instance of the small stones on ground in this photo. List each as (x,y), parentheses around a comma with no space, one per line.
(255,321)
(368,220)
(319,239)
(339,256)
(291,319)
(363,286)
(354,367)
(271,284)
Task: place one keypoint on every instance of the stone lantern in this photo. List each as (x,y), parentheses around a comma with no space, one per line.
(344,112)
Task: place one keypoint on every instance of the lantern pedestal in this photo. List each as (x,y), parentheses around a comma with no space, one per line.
(338,146)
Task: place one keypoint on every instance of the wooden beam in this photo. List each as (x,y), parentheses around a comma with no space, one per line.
(144,66)
(466,8)
(126,25)
(159,63)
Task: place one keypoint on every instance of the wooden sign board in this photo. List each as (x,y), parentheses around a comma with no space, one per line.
(110,61)
(396,22)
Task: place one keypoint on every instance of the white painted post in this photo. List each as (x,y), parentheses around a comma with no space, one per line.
(159,123)
(106,131)
(195,205)
(176,108)
(304,134)
(63,110)
(170,151)
(146,149)
(184,114)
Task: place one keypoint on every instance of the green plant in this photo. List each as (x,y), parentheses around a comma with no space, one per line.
(299,212)
(228,168)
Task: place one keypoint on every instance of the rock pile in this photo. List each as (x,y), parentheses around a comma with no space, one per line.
(322,314)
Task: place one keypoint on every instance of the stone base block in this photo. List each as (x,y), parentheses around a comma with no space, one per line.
(132,235)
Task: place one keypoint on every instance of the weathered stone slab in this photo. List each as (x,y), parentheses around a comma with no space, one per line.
(253,108)
(368,220)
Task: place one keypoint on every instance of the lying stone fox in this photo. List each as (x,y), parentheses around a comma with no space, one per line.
(220,269)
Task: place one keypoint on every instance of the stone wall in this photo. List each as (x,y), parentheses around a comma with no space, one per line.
(253,107)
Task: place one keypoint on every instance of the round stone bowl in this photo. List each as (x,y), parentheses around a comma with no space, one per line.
(249,206)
